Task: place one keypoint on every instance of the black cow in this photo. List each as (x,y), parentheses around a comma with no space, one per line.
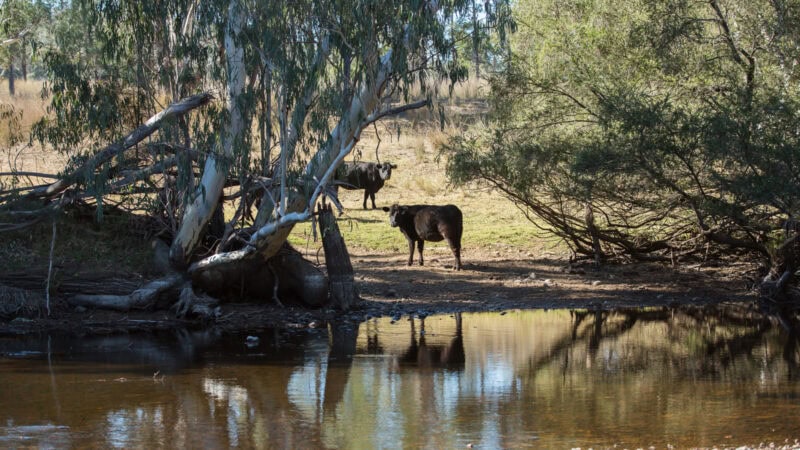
(420,223)
(369,176)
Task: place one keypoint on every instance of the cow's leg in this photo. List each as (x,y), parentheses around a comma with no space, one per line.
(457,254)
(455,247)
(366,194)
(410,252)
(420,245)
(372,197)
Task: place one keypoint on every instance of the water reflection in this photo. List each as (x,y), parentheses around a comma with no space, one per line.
(557,379)
(422,355)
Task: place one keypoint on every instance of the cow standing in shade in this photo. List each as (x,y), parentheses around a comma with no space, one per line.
(420,223)
(369,176)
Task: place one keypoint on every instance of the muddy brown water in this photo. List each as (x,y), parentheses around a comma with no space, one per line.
(524,379)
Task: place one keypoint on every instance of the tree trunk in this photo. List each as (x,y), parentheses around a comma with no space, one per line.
(11,77)
(340,270)
(347,88)
(476,41)
(266,122)
(273,230)
(208,193)
(592,229)
(299,278)
(286,277)
(775,285)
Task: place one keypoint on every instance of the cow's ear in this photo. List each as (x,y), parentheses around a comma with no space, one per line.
(393,166)
(385,208)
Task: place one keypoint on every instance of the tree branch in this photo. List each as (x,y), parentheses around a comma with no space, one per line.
(401,109)
(28,174)
(145,130)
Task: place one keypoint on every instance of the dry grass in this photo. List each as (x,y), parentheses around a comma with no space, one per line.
(16,153)
(492,224)
(27,101)
(469,89)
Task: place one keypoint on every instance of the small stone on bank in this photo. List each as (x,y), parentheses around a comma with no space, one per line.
(251,341)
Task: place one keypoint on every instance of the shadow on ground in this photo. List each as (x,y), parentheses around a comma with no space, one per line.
(507,283)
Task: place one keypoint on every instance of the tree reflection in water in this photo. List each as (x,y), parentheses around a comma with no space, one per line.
(730,331)
(440,381)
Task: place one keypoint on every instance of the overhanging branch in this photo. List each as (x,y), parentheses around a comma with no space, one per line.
(143,131)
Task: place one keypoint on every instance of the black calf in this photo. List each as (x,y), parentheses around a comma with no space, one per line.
(369,176)
(420,223)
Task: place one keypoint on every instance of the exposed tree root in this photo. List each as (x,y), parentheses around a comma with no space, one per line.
(779,284)
(190,304)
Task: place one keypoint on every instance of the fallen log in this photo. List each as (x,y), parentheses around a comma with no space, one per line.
(142,298)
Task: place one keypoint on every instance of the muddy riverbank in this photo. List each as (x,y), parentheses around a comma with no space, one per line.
(489,282)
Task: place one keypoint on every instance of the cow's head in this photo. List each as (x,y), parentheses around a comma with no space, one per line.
(395,211)
(385,170)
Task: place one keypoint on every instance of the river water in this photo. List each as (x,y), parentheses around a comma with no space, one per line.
(523,379)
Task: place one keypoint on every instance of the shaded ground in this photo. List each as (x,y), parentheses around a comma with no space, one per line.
(489,282)
(499,283)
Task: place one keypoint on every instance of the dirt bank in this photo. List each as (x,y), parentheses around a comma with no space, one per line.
(489,282)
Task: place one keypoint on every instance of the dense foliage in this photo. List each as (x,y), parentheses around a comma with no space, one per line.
(646,128)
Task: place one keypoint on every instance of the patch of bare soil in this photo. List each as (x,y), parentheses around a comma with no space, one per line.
(489,282)
(497,282)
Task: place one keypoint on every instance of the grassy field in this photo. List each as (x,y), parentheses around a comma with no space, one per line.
(491,223)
